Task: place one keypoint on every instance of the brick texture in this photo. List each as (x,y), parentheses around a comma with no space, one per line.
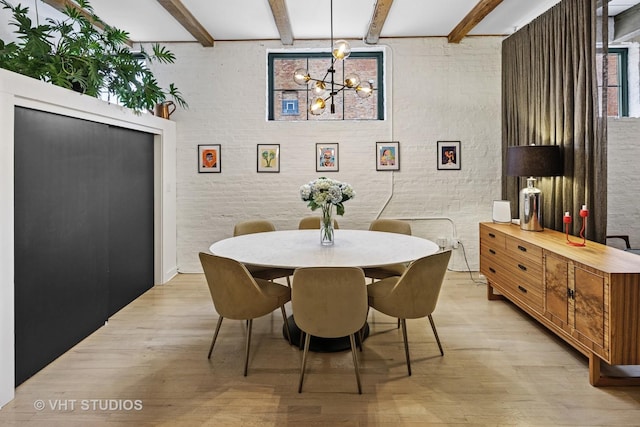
(435,91)
(623,181)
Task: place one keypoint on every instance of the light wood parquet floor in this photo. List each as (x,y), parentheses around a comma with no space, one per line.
(499,368)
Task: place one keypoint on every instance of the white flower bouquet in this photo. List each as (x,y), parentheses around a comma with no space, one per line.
(325,193)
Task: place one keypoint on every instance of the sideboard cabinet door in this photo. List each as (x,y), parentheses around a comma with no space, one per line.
(556,279)
(589,305)
(575,301)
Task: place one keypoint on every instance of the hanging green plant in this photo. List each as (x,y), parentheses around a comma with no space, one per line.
(75,54)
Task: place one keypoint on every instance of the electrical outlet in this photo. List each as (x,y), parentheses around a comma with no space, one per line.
(455,242)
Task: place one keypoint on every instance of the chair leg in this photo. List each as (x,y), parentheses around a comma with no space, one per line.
(215,336)
(406,344)
(398,324)
(307,340)
(288,282)
(433,326)
(355,361)
(286,323)
(246,353)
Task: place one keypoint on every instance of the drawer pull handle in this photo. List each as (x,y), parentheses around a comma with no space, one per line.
(492,270)
(492,252)
(522,267)
(524,290)
(493,236)
(522,248)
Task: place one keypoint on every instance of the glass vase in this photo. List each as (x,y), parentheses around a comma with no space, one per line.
(326,225)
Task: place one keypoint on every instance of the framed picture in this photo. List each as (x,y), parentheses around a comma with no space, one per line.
(209,158)
(268,157)
(388,156)
(326,157)
(449,155)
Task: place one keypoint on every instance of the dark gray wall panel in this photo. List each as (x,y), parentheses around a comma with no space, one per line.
(60,238)
(83,230)
(130,216)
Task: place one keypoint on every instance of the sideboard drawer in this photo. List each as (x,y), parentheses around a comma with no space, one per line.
(527,289)
(492,251)
(492,238)
(518,248)
(525,270)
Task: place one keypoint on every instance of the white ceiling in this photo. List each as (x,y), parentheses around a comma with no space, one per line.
(147,20)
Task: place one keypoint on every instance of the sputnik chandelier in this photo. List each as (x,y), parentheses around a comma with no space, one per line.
(325,90)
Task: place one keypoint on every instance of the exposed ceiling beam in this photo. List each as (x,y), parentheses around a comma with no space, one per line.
(627,24)
(188,21)
(281,17)
(380,12)
(62,4)
(473,18)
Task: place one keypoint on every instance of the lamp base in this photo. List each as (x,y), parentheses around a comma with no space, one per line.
(531,207)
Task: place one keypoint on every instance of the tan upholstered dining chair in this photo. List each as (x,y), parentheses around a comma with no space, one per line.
(266,273)
(313,223)
(239,296)
(329,302)
(390,226)
(413,295)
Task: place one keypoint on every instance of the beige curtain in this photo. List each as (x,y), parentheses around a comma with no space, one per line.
(550,96)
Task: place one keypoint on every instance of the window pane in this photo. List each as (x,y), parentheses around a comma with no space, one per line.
(613,95)
(357,108)
(283,73)
(617,82)
(613,72)
(318,68)
(365,68)
(284,102)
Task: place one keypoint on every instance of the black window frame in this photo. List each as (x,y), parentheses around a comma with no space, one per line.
(377,54)
(622,55)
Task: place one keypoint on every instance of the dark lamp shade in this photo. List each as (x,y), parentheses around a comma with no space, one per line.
(534,160)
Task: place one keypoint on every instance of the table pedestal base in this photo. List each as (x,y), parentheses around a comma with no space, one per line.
(318,344)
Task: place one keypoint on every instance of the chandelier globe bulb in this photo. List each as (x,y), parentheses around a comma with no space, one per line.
(317,106)
(341,49)
(352,81)
(301,76)
(364,90)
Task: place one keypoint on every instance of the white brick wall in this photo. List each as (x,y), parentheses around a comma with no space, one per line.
(437,91)
(633,76)
(623,183)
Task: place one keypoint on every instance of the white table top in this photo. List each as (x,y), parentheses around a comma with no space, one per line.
(302,248)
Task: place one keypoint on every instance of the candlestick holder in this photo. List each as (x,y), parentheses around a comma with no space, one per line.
(584,213)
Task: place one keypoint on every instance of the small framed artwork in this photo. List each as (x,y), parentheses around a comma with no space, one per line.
(209,158)
(449,155)
(388,156)
(268,157)
(326,157)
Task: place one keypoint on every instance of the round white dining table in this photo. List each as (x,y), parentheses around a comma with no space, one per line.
(302,248)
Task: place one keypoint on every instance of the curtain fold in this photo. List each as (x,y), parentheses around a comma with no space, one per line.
(550,96)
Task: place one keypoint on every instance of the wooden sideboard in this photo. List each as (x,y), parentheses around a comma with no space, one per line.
(589,296)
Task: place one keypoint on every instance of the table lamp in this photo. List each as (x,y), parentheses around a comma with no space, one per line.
(533,161)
